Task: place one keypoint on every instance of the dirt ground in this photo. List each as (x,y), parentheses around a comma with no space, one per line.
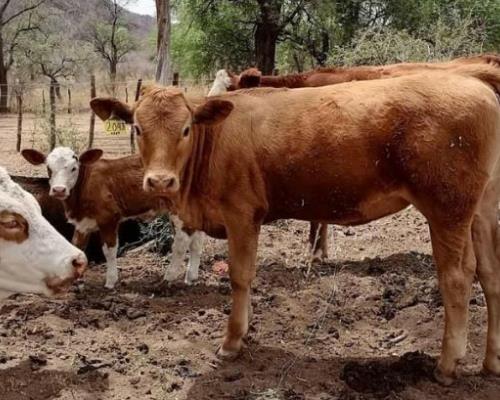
(365,324)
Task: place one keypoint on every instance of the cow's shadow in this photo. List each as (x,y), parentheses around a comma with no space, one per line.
(271,373)
(26,382)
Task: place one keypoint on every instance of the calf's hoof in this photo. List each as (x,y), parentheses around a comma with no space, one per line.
(443,379)
(110,283)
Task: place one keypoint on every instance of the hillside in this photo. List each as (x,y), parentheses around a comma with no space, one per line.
(80,13)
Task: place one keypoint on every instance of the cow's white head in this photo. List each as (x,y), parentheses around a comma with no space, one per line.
(63,167)
(34,257)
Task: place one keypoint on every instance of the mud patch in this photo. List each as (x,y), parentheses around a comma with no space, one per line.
(381,378)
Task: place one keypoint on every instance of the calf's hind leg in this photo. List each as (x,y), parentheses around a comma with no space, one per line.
(486,239)
(454,255)
(109,236)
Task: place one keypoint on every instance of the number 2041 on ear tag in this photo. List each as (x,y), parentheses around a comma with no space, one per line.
(115,127)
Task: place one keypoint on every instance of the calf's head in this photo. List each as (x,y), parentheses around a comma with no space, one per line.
(167,127)
(63,167)
(34,257)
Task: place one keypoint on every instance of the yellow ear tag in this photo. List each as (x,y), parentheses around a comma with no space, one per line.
(115,127)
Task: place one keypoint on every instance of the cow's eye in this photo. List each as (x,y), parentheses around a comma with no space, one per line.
(185,132)
(73,169)
(49,172)
(137,130)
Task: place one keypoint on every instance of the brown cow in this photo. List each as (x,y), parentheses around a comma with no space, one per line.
(347,154)
(99,194)
(252,77)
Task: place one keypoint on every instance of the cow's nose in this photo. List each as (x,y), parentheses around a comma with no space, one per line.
(58,190)
(79,265)
(161,183)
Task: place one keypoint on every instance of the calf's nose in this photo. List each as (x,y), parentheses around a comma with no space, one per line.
(58,190)
(79,264)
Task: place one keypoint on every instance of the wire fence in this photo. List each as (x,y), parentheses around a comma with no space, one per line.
(74,96)
(43,116)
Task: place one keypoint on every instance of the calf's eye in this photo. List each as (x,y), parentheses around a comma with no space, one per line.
(137,131)
(185,132)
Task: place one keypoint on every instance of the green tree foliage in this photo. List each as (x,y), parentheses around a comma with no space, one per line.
(212,34)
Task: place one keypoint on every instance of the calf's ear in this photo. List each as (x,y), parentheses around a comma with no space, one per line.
(212,112)
(105,107)
(33,156)
(90,156)
(250,78)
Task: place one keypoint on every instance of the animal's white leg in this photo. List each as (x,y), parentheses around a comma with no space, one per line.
(195,249)
(111,267)
(179,248)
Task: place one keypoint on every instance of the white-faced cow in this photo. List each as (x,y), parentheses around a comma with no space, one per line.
(347,154)
(221,83)
(34,257)
(98,194)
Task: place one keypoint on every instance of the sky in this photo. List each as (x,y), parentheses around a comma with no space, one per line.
(142,7)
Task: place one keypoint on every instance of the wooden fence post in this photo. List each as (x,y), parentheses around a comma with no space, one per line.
(132,138)
(92,114)
(69,100)
(43,102)
(19,97)
(52,115)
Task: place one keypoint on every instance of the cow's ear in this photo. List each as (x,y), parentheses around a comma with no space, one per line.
(105,107)
(33,156)
(90,156)
(212,112)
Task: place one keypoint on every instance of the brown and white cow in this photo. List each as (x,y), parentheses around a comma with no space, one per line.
(252,77)
(34,257)
(98,194)
(347,154)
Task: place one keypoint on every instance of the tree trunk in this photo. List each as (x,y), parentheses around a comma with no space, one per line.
(112,76)
(69,101)
(52,115)
(163,63)
(266,34)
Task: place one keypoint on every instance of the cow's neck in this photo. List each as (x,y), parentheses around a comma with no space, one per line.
(74,200)
(195,177)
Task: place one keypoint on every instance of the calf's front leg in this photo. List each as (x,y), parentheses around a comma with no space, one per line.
(243,240)
(109,237)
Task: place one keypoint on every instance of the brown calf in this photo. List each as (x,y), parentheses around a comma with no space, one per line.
(346,154)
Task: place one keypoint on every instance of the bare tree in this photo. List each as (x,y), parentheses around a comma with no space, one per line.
(10,19)
(163,63)
(111,39)
(55,58)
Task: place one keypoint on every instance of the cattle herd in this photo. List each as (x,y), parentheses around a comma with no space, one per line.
(342,146)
